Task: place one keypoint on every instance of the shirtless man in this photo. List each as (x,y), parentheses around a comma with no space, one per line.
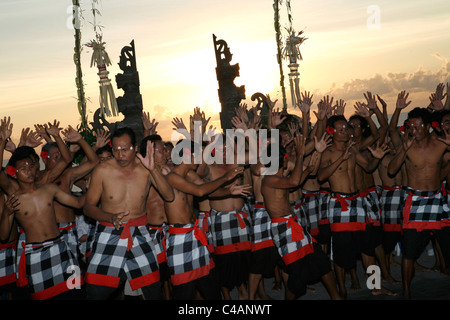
(156,213)
(116,198)
(65,216)
(303,259)
(230,229)
(47,256)
(192,269)
(422,154)
(346,212)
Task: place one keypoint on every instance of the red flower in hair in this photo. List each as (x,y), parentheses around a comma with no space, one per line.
(402,128)
(44,154)
(286,155)
(435,124)
(330,130)
(11,170)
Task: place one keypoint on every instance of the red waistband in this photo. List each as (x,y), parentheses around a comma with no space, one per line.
(126,232)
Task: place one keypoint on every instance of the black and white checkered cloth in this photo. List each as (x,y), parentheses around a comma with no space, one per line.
(129,250)
(7,263)
(391,204)
(159,236)
(188,256)
(261,225)
(230,231)
(292,241)
(424,210)
(346,212)
(49,268)
(311,208)
(371,203)
(69,231)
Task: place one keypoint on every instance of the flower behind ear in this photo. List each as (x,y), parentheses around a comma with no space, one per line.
(330,130)
(435,124)
(44,154)
(10,170)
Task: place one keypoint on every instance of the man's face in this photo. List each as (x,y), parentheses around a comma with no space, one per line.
(446,122)
(54,155)
(341,131)
(105,155)
(355,127)
(418,129)
(123,151)
(159,154)
(168,154)
(26,170)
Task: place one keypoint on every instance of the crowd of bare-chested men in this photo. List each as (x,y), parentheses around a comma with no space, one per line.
(148,220)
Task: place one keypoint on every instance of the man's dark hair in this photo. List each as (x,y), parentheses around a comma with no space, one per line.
(21,153)
(106,148)
(364,124)
(143,144)
(421,113)
(120,132)
(333,119)
(46,147)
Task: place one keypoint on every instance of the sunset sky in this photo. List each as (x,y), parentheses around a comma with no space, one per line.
(344,55)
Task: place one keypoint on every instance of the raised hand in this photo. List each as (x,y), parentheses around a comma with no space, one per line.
(178,124)
(238,123)
(102,138)
(383,103)
(361,109)
(446,138)
(5,128)
(149,125)
(379,151)
(277,118)
(42,131)
(293,127)
(148,161)
(30,138)
(71,135)
(54,129)
(270,103)
(371,100)
(306,102)
(322,144)
(436,101)
(401,100)
(339,107)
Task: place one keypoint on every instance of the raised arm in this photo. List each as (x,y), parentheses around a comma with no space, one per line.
(196,187)
(399,106)
(156,176)
(73,136)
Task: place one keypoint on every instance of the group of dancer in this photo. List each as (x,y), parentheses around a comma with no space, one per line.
(128,222)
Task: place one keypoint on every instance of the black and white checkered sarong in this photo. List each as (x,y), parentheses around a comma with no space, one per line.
(129,250)
(230,231)
(50,267)
(188,256)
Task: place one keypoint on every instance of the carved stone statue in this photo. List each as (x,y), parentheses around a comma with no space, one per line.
(229,95)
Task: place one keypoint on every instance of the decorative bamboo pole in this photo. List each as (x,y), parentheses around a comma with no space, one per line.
(79,73)
(276,8)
